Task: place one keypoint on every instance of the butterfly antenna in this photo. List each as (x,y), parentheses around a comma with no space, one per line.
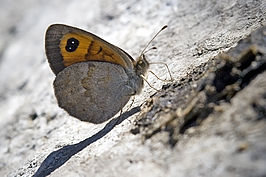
(143,51)
(153,48)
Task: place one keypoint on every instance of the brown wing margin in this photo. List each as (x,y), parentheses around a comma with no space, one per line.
(53,36)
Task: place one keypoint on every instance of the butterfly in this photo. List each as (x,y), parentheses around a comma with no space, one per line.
(94,79)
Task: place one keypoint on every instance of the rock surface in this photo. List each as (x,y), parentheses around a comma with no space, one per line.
(197,132)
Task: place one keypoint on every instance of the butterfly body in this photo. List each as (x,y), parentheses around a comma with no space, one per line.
(94,79)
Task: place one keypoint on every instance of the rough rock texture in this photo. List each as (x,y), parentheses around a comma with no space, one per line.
(210,121)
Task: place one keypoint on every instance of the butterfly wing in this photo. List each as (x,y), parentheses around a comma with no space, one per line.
(66,45)
(92,91)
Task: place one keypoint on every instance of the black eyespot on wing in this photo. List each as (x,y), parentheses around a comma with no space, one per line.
(72,44)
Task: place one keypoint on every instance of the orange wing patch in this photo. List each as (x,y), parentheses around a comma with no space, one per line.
(80,48)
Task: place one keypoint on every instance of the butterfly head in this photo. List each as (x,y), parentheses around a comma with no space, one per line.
(141,65)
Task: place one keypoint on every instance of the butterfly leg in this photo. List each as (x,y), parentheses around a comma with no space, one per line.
(132,102)
(149,83)
(171,77)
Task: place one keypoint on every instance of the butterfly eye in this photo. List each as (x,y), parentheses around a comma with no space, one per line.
(72,44)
